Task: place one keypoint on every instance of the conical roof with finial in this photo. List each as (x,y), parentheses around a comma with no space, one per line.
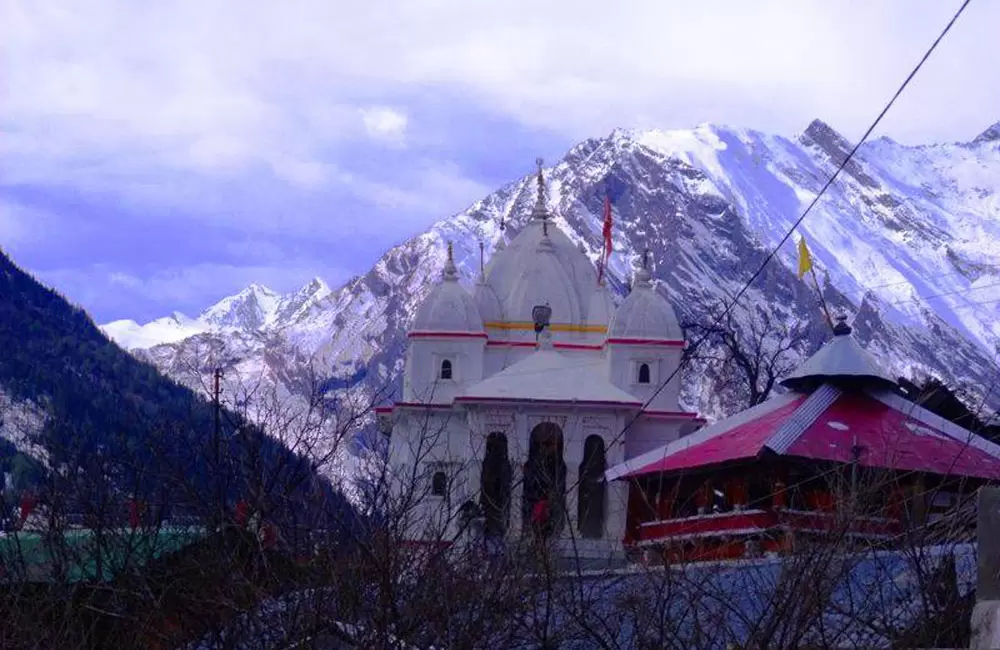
(448,307)
(841,360)
(645,314)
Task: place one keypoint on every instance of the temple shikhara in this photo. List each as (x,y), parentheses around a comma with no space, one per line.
(535,407)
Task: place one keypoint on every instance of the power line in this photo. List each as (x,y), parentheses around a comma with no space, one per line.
(973,305)
(773,253)
(943,294)
(862,289)
(866,288)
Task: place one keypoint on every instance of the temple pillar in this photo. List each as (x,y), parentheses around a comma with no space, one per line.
(515,525)
(572,456)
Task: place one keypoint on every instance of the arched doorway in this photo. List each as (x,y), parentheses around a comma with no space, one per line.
(495,484)
(544,505)
(592,489)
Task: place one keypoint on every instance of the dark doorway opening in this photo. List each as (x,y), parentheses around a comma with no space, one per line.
(592,492)
(495,485)
(544,505)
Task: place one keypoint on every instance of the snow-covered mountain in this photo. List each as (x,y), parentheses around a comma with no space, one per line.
(907,241)
(253,309)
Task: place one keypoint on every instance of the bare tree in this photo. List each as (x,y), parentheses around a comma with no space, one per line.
(752,353)
(232,585)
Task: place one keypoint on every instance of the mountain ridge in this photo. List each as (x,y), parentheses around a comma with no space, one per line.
(902,241)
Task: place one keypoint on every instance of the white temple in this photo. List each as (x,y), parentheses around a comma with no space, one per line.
(497,414)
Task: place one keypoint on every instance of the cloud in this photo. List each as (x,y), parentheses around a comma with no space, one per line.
(428,189)
(384,124)
(140,139)
(112,294)
(187,70)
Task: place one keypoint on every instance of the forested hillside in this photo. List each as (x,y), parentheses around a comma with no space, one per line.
(109,422)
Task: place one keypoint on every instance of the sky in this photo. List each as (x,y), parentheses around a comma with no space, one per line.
(155,157)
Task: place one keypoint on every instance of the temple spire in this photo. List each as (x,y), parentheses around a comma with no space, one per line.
(643,276)
(540,211)
(450,272)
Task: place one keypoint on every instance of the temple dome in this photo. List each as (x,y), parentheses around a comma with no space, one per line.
(448,307)
(543,278)
(487,302)
(645,314)
(600,309)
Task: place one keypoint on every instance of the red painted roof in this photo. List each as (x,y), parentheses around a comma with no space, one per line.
(890,439)
(740,442)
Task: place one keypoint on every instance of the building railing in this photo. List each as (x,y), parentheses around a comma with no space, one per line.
(753,522)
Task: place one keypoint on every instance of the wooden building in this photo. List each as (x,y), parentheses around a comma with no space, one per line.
(840,454)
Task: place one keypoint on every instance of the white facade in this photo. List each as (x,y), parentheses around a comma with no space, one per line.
(476,372)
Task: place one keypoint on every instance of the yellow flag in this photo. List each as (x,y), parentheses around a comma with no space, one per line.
(805,260)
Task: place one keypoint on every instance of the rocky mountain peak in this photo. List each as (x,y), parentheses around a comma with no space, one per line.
(992,134)
(294,305)
(825,138)
(250,309)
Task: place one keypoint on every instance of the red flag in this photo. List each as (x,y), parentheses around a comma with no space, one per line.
(134,512)
(242,510)
(608,222)
(27,505)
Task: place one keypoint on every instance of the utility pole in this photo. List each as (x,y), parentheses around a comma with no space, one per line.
(217,402)
(217,440)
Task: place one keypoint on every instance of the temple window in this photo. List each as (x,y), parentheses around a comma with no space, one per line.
(439,484)
(446,370)
(644,373)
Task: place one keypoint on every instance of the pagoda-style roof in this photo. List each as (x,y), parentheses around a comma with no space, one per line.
(889,432)
(840,409)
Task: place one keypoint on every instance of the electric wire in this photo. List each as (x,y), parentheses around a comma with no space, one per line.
(774,251)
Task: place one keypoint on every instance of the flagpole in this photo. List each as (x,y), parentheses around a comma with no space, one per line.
(822,300)
(806,266)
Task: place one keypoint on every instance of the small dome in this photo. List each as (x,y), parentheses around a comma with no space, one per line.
(448,307)
(600,308)
(487,302)
(645,314)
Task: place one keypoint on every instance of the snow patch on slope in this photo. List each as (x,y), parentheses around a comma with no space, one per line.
(20,422)
(169,329)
